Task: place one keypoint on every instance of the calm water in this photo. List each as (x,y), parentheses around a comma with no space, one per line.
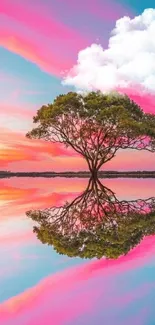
(39,286)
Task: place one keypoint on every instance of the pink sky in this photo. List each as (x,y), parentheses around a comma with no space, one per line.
(35,53)
(41,155)
(19,34)
(19,30)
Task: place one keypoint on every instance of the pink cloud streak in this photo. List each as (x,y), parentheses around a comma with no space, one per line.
(145,100)
(39,302)
(108,10)
(17,238)
(46,40)
(31,51)
(41,40)
(16,110)
(14,146)
(44,23)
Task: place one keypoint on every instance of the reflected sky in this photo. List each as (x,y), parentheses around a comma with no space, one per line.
(36,282)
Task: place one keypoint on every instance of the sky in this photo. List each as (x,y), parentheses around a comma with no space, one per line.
(51,47)
(36,282)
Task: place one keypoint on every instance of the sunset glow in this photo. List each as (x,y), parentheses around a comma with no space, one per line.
(74,250)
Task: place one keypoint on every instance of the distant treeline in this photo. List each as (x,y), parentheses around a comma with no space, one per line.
(109,174)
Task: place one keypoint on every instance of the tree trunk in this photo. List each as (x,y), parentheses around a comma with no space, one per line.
(94,173)
(94,166)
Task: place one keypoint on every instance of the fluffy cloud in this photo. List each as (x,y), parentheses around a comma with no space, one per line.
(128,62)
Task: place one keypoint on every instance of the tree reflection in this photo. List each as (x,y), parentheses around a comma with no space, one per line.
(95,223)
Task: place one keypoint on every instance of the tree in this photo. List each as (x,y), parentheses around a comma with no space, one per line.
(95,223)
(95,125)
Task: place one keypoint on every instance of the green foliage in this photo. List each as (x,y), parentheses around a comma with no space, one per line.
(110,243)
(95,224)
(95,125)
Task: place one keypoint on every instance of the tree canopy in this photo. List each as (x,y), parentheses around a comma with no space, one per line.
(95,224)
(95,125)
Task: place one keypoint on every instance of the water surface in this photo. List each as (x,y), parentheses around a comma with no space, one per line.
(39,286)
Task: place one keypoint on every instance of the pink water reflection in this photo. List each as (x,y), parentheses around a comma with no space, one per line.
(75,295)
(30,193)
(72,291)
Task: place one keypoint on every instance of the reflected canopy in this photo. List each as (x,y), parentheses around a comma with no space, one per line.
(95,224)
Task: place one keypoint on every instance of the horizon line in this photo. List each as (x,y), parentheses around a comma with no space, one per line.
(80,174)
(75,172)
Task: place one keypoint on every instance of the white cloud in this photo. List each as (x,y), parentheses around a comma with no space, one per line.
(129,60)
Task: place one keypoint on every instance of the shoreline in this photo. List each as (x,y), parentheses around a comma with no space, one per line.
(101,174)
